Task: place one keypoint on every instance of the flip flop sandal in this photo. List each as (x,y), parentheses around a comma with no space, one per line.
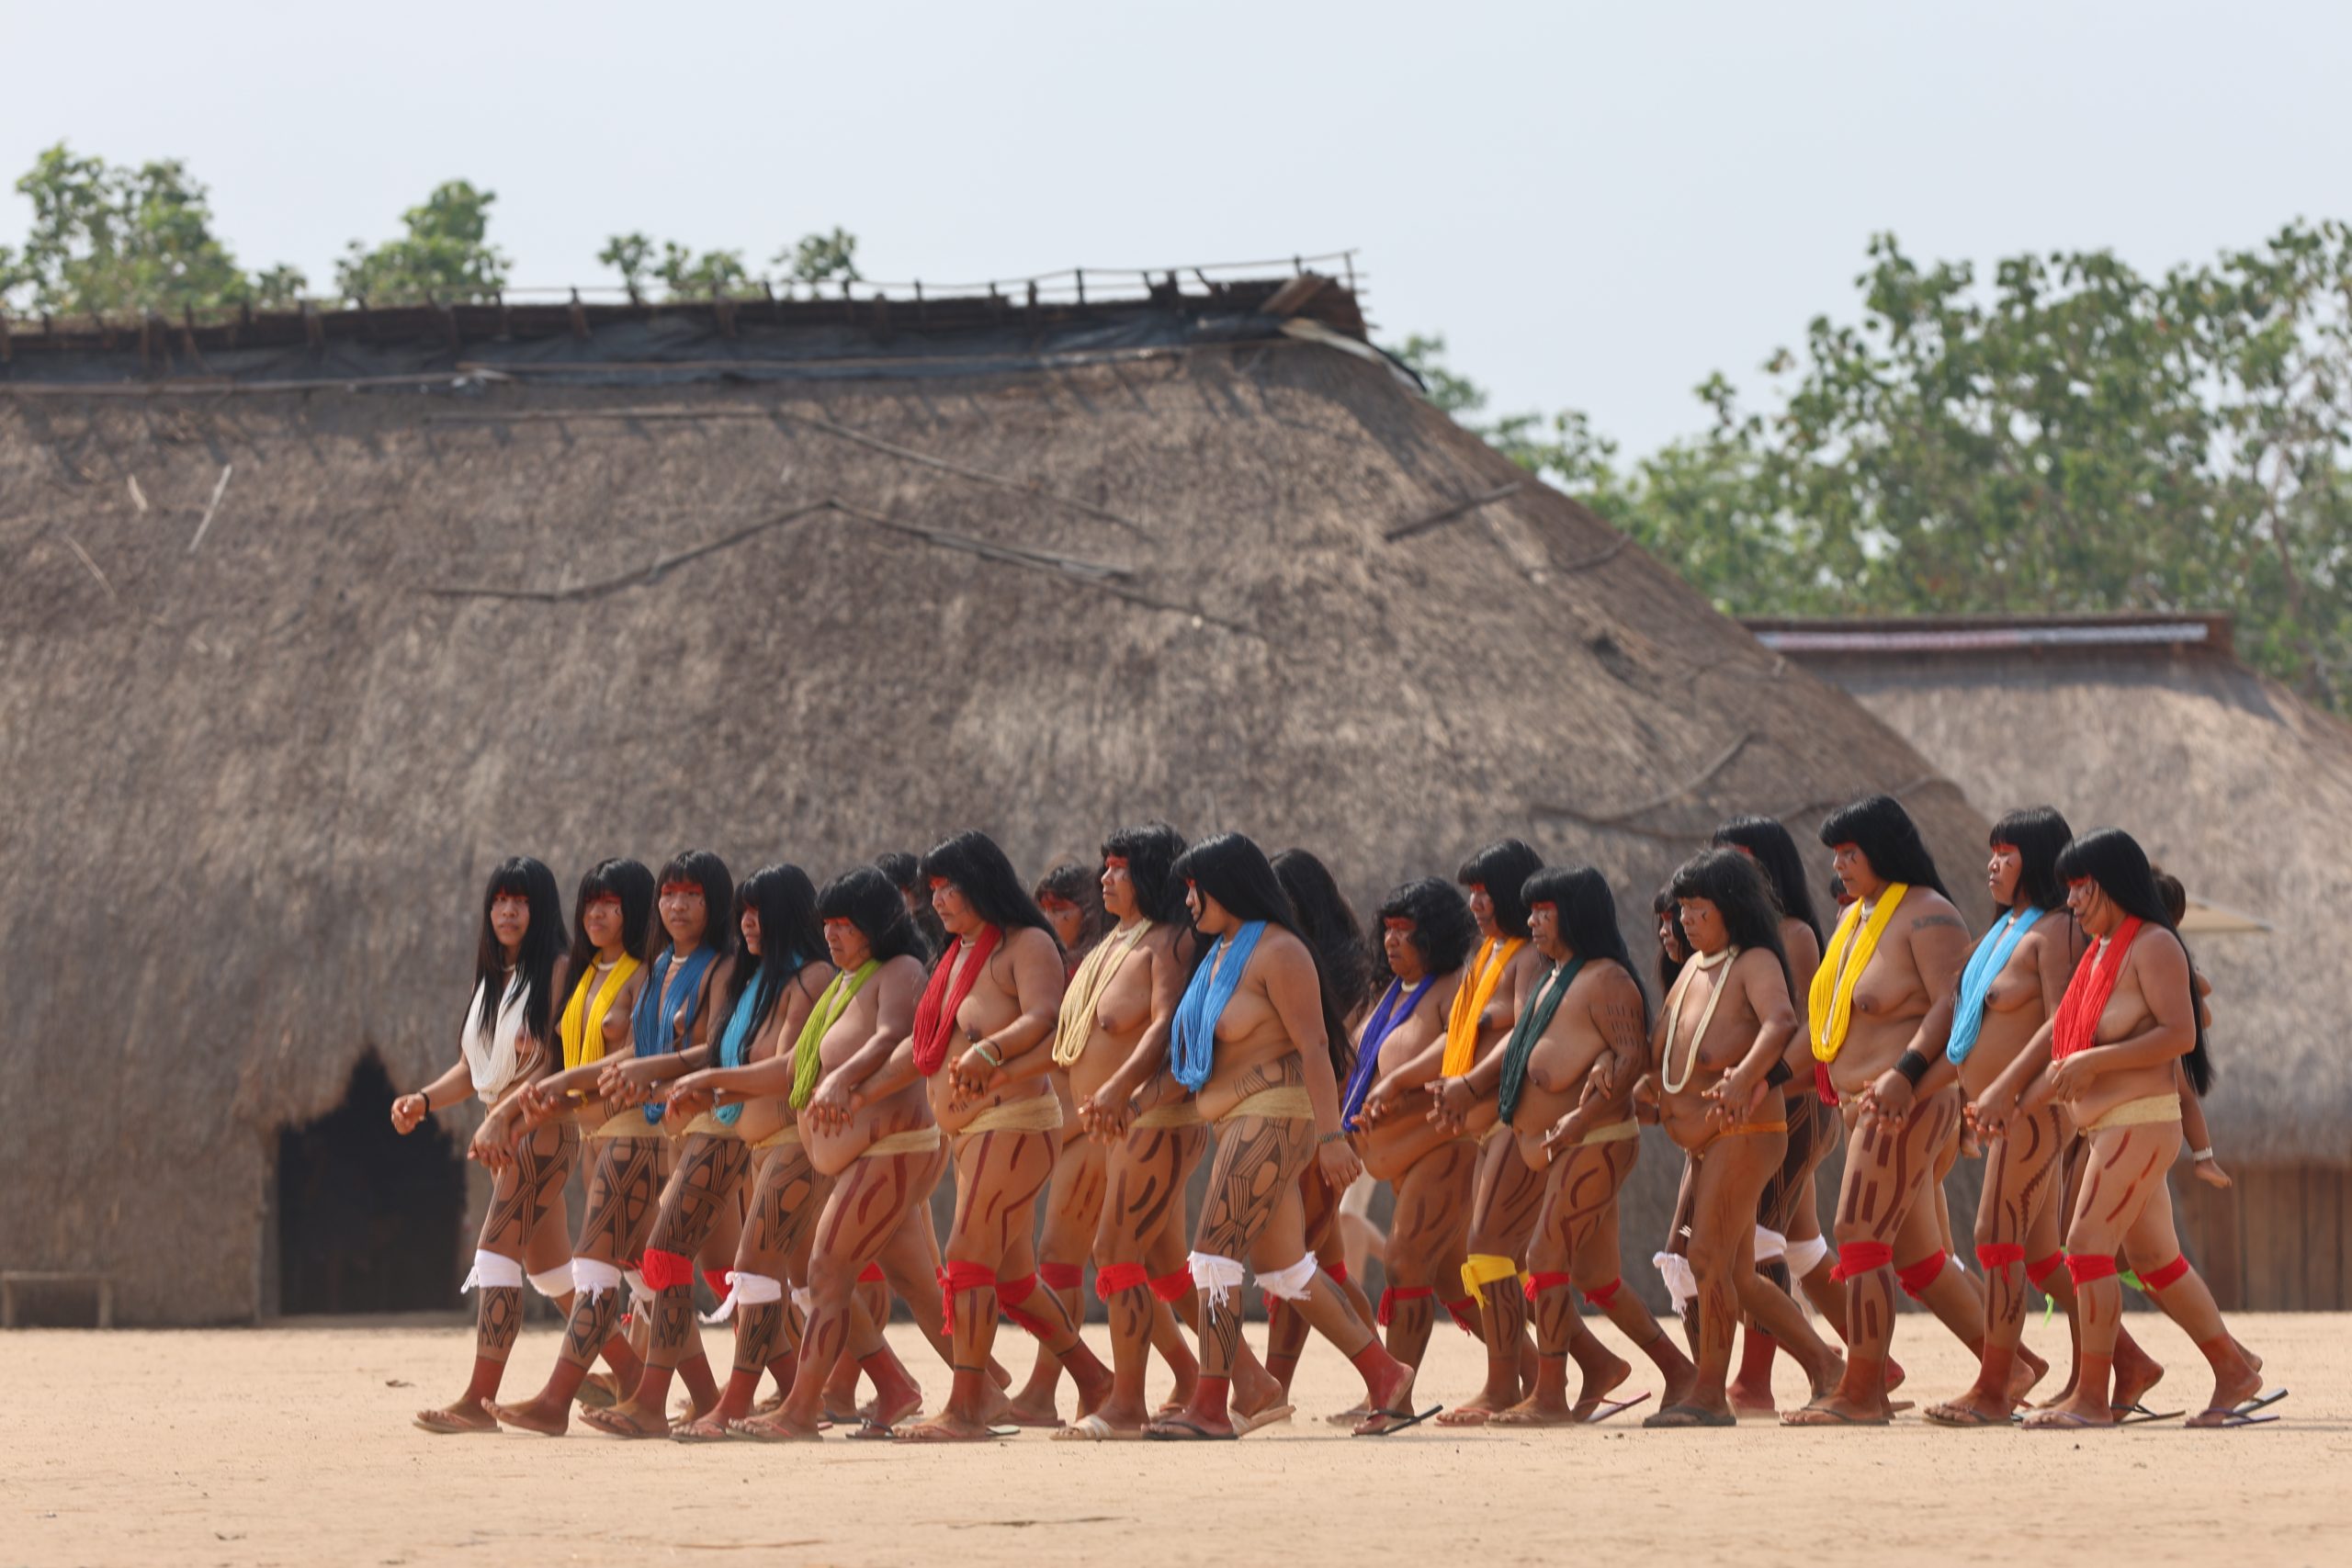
(2242,1414)
(1270,1415)
(870,1432)
(613,1423)
(1609,1407)
(1684,1418)
(2140,1415)
(1836,1418)
(1094,1429)
(745,1432)
(690,1433)
(1404,1419)
(449,1428)
(1962,1417)
(2065,1421)
(595,1394)
(1180,1429)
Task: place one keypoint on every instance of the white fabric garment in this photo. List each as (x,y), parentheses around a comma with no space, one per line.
(492,1273)
(1681,1282)
(593,1279)
(803,1300)
(1769,1244)
(1291,1284)
(640,1293)
(751,1289)
(491,1057)
(1804,1257)
(1216,1278)
(553,1282)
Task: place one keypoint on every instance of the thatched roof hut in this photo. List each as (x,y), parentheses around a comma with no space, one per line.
(2151,724)
(309,620)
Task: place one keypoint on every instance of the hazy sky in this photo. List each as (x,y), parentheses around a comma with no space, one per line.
(1596,204)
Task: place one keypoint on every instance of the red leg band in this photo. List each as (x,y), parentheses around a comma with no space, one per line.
(2039,1269)
(1917,1277)
(1062,1276)
(1465,1316)
(1606,1294)
(1172,1287)
(1339,1273)
(664,1269)
(1392,1294)
(1011,1293)
(870,1275)
(1110,1279)
(1861,1258)
(1538,1283)
(2085,1267)
(717,1279)
(2156,1280)
(1995,1255)
(956,1278)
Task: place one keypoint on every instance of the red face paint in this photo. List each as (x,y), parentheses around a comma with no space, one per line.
(939,882)
(680,890)
(833,921)
(1399,924)
(1118,861)
(1554,907)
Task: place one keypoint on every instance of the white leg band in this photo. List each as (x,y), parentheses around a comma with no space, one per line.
(1295,1283)
(1769,1244)
(1681,1282)
(751,1289)
(804,1299)
(1804,1257)
(640,1293)
(1216,1278)
(593,1279)
(492,1273)
(553,1282)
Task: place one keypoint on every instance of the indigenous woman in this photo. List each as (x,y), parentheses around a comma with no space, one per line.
(1896,954)
(1254,1039)
(1111,1043)
(671,1018)
(1070,896)
(1569,1070)
(982,1037)
(502,1049)
(866,1129)
(733,1112)
(1346,963)
(1788,1243)
(2010,988)
(1426,935)
(1720,1049)
(2106,1056)
(1509,1195)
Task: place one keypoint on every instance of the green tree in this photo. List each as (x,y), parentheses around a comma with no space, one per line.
(2077,437)
(821,258)
(445,255)
(110,240)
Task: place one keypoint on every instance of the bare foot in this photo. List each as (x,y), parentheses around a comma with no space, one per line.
(1602,1376)
(2027,1371)
(1977,1408)
(710,1428)
(2237,1377)
(779,1427)
(465,1416)
(2136,1372)
(1536,1411)
(542,1416)
(626,1421)
(2075,1415)
(1391,1398)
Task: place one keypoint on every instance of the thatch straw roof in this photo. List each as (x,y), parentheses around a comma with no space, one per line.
(2150,723)
(287,661)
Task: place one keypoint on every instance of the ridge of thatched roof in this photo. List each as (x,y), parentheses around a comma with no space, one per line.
(2239,787)
(283,674)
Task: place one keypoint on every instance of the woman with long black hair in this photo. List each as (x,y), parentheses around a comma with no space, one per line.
(668,1028)
(987,1019)
(1261,1044)
(1897,952)
(1713,1066)
(1790,1247)
(504,1047)
(721,1114)
(2107,1055)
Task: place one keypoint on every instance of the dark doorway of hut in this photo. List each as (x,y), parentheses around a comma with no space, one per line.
(366,1220)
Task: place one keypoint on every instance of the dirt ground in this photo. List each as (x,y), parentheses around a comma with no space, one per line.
(293,1446)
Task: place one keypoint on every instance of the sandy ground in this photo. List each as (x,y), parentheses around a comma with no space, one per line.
(292,1445)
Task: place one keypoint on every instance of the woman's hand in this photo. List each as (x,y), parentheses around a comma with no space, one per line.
(973,1075)
(1450,1101)
(1734,1096)
(2070,1078)
(1889,1099)
(626,1080)
(2210,1172)
(493,1145)
(1106,1114)
(1338,1164)
(408,1110)
(834,1103)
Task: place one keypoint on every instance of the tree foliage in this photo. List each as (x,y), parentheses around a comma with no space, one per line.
(446,254)
(110,240)
(685,274)
(2077,437)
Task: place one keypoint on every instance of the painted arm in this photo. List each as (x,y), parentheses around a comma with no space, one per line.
(1737,1093)
(1296,995)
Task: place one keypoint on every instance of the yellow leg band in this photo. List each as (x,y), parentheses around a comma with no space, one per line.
(1483,1268)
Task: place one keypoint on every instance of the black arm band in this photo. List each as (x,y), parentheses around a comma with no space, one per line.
(1779,1074)
(1912,1066)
